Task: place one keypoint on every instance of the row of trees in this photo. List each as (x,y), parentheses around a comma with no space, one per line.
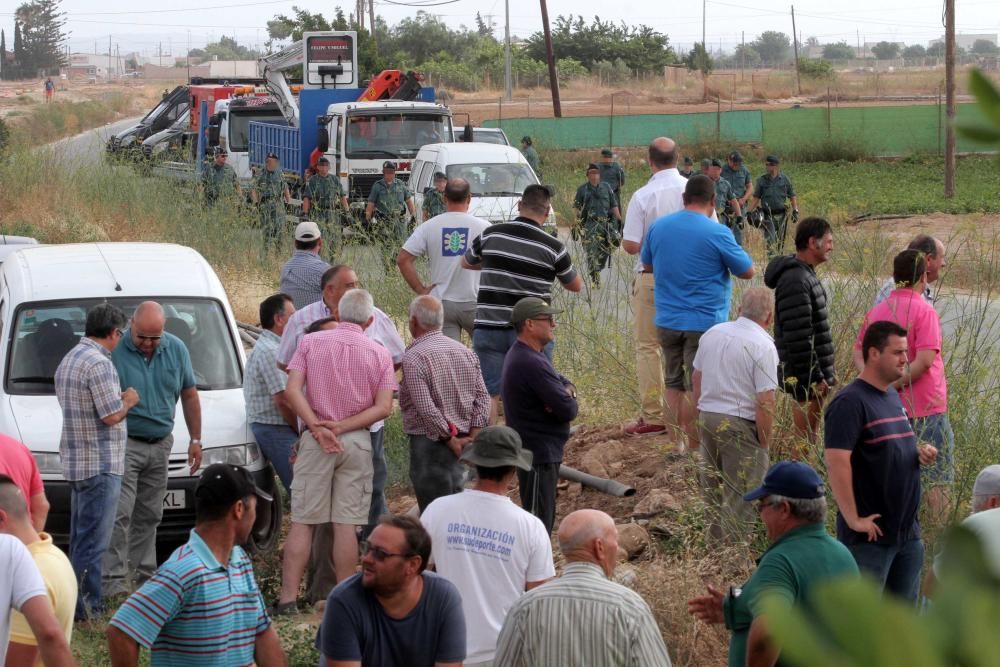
(38,44)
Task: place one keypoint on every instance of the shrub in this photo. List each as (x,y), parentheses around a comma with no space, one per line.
(815,68)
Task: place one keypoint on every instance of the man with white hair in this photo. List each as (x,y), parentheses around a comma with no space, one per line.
(984,520)
(734,383)
(582,618)
(339,383)
(792,505)
(443,400)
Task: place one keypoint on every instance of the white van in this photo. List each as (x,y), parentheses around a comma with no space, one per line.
(497,174)
(45,293)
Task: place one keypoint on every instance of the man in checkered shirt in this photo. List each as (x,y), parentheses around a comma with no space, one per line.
(444,402)
(339,383)
(92,446)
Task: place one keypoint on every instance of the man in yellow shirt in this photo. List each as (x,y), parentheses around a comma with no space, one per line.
(52,563)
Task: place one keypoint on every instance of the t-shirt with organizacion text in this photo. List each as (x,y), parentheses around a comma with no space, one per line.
(355,627)
(885,468)
(517,259)
(443,240)
(489,548)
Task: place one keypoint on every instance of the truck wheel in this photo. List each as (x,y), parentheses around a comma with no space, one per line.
(266,531)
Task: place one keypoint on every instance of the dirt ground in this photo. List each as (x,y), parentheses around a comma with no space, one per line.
(20,96)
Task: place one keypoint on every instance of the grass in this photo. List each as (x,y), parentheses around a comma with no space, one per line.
(594,339)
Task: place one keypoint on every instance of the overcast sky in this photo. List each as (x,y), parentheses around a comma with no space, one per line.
(141,25)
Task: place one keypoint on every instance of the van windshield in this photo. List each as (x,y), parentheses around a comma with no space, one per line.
(494,180)
(45,332)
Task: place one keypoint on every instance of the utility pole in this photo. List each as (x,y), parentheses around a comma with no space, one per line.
(508,79)
(795,44)
(159,52)
(550,56)
(949,77)
(703,47)
(109,58)
(743,54)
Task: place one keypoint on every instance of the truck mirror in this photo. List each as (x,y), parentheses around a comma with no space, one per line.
(467,133)
(323,139)
(213,135)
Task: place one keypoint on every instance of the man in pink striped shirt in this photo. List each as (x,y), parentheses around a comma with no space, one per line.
(340,382)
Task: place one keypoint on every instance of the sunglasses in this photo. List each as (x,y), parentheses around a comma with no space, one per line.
(551,319)
(379,553)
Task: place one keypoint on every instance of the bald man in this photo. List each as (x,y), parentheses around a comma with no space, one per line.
(601,623)
(158,365)
(662,195)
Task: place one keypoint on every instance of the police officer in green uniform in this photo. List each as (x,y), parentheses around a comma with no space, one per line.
(739,178)
(771,194)
(387,208)
(321,197)
(597,205)
(613,174)
(218,180)
(434,196)
(687,171)
(706,167)
(726,204)
(531,155)
(270,194)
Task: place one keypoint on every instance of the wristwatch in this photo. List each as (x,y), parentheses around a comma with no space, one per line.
(195,441)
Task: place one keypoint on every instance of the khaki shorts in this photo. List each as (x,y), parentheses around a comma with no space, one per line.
(333,488)
(679,348)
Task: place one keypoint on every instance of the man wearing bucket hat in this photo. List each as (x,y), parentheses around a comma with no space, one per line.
(217,574)
(792,505)
(510,554)
(539,403)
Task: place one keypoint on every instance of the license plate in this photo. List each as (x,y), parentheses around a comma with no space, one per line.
(174,500)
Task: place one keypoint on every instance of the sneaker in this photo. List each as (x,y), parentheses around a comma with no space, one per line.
(642,428)
(286,609)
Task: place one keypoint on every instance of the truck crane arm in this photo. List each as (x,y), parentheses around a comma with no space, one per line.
(272,70)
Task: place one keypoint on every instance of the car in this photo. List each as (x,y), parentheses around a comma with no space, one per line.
(45,293)
(487,135)
(497,174)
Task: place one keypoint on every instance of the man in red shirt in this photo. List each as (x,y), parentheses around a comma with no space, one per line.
(17,463)
(923,389)
(339,383)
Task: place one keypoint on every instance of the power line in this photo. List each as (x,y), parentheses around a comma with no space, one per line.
(185,9)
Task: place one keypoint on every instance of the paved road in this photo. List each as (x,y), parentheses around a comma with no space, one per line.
(87,148)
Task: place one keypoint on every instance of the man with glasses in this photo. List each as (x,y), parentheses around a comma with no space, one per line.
(792,505)
(394,612)
(92,446)
(539,403)
(158,365)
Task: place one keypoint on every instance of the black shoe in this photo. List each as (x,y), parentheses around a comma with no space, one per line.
(287,609)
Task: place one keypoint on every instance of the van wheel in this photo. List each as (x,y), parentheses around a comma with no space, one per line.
(266,531)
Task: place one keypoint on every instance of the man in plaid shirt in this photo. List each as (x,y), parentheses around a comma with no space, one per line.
(92,446)
(444,402)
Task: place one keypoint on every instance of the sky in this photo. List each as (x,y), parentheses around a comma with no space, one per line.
(147,26)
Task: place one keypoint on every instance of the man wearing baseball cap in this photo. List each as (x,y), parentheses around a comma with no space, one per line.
(512,554)
(539,403)
(434,198)
(739,178)
(687,170)
(613,174)
(600,218)
(388,204)
(770,194)
(215,573)
(269,190)
(302,274)
(218,180)
(321,197)
(792,504)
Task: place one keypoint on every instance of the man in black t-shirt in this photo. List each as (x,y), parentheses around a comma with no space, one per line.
(873,461)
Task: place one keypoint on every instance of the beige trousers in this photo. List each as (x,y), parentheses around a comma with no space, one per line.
(648,364)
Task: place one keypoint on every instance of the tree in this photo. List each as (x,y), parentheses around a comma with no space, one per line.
(935,49)
(885,50)
(746,55)
(3,55)
(838,51)
(914,51)
(640,47)
(18,52)
(225,49)
(42,36)
(812,41)
(698,59)
(772,46)
(984,47)
(815,68)
(481,26)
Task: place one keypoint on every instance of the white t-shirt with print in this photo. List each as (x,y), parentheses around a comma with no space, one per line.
(489,548)
(443,240)
(20,582)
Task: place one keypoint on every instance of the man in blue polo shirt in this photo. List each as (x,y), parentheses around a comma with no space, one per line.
(691,258)
(203,606)
(158,365)
(874,463)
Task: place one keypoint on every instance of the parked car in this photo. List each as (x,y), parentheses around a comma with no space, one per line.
(497,175)
(486,135)
(45,293)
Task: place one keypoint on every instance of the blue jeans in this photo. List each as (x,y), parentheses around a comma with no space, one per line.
(380,473)
(895,566)
(93,503)
(936,429)
(276,442)
(491,346)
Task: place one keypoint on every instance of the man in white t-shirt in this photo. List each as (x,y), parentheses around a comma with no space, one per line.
(984,521)
(491,549)
(443,240)
(22,588)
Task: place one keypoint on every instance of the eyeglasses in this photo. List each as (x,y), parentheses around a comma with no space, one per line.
(762,504)
(149,338)
(551,319)
(379,553)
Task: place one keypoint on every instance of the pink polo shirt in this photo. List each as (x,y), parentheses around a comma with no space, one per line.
(344,371)
(929,394)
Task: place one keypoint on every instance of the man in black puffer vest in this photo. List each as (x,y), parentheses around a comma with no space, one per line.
(801,325)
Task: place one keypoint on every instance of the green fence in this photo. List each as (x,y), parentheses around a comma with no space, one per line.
(895,130)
